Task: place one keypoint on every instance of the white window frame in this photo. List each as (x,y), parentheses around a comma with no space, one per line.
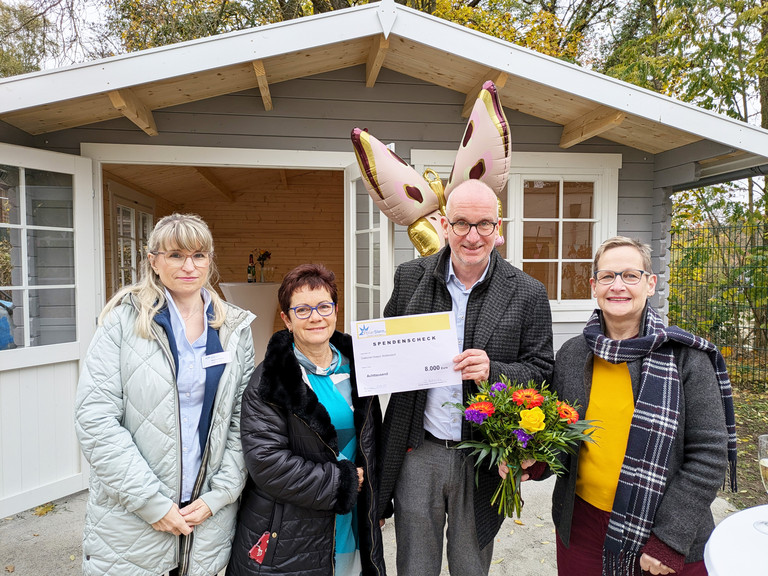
(83,214)
(602,169)
(120,195)
(365,220)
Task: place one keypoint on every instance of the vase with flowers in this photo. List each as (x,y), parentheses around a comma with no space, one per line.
(262,258)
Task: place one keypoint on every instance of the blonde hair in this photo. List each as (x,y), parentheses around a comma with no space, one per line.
(618,242)
(186,232)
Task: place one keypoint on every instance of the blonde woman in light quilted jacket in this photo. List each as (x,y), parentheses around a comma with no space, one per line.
(158,415)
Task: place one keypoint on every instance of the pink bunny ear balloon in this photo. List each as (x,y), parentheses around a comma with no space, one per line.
(416,201)
(485,152)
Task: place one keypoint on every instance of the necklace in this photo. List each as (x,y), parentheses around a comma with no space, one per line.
(189,315)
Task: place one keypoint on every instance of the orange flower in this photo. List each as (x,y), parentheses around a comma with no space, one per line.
(486,408)
(528,397)
(567,412)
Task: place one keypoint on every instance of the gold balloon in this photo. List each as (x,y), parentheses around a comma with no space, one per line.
(501,215)
(433,179)
(425,237)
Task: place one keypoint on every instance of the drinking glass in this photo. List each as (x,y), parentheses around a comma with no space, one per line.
(762,458)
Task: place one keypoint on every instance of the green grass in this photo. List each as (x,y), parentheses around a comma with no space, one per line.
(751,408)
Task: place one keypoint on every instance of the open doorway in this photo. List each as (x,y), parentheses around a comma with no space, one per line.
(295,214)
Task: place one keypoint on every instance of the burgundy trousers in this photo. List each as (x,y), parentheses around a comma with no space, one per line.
(584,556)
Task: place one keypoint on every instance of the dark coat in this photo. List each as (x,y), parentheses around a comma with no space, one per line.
(296,484)
(508,316)
(697,461)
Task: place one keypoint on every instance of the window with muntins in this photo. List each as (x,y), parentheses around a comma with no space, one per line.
(558,237)
(37,258)
(132,224)
(558,208)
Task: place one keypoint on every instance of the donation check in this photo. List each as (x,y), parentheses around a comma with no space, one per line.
(405,353)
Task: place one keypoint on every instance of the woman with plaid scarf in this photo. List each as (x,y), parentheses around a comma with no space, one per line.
(639,498)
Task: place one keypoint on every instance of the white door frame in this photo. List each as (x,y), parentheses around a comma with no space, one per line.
(378,228)
(206,156)
(38,448)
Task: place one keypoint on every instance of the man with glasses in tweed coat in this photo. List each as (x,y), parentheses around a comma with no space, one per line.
(504,326)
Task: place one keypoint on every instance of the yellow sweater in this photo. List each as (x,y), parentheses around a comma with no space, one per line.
(611,404)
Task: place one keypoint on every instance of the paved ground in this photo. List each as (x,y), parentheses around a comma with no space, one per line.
(49,545)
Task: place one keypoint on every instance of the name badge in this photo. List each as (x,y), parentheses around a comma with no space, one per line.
(218,358)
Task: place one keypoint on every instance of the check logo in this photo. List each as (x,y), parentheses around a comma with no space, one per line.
(363,329)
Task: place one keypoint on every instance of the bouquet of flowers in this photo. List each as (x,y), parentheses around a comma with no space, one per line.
(520,422)
(263,256)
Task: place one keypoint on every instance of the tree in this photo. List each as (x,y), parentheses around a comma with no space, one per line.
(140,24)
(542,31)
(564,29)
(719,277)
(25,39)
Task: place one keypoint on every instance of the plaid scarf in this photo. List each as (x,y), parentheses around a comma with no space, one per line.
(652,432)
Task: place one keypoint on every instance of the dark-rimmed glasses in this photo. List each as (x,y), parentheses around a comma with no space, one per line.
(176,258)
(484,228)
(629,277)
(304,311)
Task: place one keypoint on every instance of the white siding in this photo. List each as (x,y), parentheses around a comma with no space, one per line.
(39,454)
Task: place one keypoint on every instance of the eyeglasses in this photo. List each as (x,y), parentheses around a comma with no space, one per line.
(484,228)
(629,277)
(176,259)
(303,311)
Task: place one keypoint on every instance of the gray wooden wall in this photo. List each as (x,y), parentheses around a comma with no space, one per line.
(319,112)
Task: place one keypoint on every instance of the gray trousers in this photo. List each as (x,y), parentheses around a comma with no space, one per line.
(436,482)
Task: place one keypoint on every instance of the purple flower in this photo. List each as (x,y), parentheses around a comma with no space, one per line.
(496,388)
(522,437)
(475,416)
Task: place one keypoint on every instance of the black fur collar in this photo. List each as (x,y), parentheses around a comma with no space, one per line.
(281,384)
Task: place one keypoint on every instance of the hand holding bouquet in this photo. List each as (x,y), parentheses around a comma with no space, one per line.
(520,422)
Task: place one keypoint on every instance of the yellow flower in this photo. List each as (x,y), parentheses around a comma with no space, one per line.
(482,397)
(532,420)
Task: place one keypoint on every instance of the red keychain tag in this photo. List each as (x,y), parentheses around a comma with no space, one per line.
(260,548)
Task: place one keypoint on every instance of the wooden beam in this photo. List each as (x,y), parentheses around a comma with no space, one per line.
(134,109)
(283,178)
(376,58)
(210,177)
(498,78)
(591,124)
(261,78)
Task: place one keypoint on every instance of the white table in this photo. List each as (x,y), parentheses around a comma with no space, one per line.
(261,299)
(736,548)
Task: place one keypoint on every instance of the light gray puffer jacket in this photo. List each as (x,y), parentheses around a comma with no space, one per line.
(126,418)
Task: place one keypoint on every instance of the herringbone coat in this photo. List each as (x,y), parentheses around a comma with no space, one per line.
(508,316)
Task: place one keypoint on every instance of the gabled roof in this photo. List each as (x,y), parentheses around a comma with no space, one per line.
(379,34)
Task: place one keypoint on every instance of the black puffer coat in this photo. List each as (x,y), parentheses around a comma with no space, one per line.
(296,486)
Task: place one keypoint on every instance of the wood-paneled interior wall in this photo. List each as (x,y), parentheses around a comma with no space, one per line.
(298,216)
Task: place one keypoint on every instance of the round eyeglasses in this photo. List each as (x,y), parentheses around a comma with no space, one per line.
(484,228)
(176,258)
(304,311)
(629,277)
